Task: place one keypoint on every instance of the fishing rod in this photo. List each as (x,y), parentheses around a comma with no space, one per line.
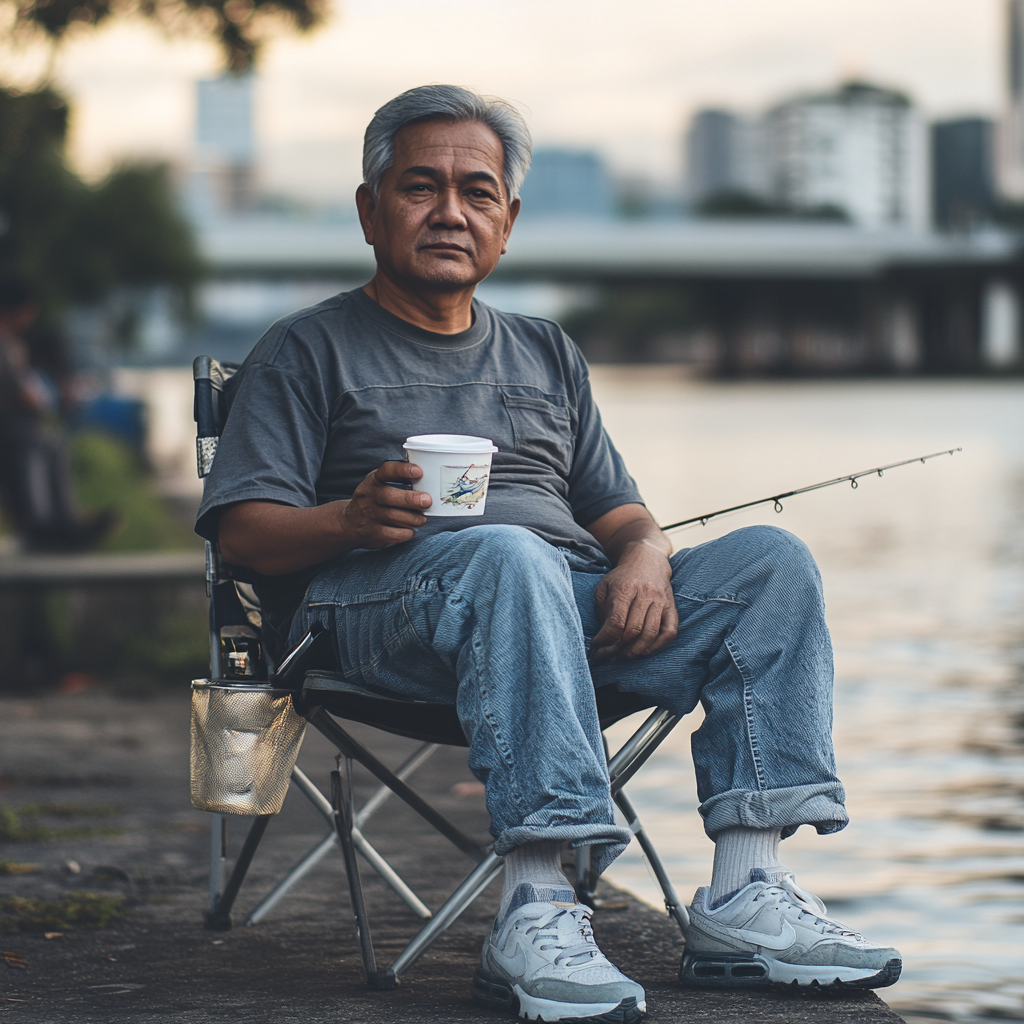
(777,498)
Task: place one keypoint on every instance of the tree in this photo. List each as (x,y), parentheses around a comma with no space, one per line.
(78,242)
(239,27)
(736,203)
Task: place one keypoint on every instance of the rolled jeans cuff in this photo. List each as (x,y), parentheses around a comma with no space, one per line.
(610,840)
(788,808)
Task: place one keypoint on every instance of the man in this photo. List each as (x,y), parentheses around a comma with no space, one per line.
(566,583)
(35,474)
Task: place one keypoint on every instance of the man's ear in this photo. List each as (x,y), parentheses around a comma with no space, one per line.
(366,204)
(513,212)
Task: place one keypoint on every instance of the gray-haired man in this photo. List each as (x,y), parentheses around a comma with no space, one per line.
(566,583)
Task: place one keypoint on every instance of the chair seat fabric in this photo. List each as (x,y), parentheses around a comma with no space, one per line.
(420,720)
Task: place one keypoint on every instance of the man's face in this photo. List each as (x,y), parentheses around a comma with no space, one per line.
(441,218)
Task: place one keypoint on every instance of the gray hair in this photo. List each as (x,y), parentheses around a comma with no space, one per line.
(447,103)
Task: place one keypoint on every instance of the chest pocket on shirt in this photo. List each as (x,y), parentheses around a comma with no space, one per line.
(542,431)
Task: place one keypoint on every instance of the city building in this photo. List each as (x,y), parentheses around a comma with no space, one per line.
(725,153)
(963,185)
(569,183)
(861,149)
(1010,165)
(222,177)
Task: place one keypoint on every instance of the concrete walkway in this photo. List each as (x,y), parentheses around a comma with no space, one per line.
(300,964)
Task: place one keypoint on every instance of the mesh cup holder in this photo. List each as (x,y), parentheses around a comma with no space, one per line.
(245,742)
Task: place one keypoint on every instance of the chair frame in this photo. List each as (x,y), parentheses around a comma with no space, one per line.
(339,811)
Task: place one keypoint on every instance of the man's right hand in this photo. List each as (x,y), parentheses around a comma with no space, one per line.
(275,539)
(379,515)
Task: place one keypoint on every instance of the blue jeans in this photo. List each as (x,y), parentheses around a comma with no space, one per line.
(498,622)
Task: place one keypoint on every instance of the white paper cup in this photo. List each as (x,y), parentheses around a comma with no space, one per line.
(456,470)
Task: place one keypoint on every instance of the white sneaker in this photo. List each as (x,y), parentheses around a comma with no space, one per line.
(775,933)
(541,960)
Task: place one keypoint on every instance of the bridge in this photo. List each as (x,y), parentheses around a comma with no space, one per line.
(616,250)
(754,296)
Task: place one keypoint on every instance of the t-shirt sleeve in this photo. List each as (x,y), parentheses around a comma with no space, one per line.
(272,447)
(598,480)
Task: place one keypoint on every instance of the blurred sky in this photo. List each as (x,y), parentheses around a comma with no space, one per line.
(619,76)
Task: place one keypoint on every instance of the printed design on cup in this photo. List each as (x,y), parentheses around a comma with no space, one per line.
(464,486)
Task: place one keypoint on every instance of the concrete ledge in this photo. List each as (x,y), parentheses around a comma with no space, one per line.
(71,569)
(301,963)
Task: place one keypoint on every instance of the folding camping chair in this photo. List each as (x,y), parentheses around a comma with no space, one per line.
(323,697)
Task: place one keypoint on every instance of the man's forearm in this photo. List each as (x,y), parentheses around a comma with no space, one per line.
(630,532)
(277,539)
(641,542)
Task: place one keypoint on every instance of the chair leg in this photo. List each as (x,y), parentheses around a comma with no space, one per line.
(352,749)
(372,857)
(676,909)
(403,771)
(621,768)
(219,918)
(478,880)
(585,882)
(632,755)
(218,857)
(293,877)
(344,818)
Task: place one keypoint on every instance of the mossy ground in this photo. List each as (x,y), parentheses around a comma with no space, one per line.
(21,824)
(76,910)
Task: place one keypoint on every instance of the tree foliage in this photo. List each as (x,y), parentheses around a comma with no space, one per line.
(76,241)
(736,203)
(239,27)
(632,316)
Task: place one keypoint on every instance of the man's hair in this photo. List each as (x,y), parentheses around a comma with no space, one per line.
(447,103)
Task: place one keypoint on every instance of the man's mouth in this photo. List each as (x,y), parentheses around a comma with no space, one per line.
(445,247)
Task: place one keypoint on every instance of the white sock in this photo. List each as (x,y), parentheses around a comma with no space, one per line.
(737,852)
(539,865)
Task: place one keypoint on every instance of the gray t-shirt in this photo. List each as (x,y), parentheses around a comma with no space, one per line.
(331,392)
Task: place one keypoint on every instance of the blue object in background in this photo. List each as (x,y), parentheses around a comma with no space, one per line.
(567,183)
(124,418)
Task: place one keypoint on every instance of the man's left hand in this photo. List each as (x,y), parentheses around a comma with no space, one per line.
(636,605)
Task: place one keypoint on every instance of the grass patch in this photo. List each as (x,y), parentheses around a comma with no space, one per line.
(50,810)
(78,910)
(10,867)
(20,824)
(109,474)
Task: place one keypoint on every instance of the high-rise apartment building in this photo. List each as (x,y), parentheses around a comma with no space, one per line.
(724,153)
(860,148)
(223,168)
(1010,150)
(963,186)
(567,183)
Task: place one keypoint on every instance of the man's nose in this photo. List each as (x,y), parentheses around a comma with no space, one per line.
(447,211)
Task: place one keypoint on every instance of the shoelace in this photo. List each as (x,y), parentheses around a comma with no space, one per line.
(547,926)
(801,896)
(787,891)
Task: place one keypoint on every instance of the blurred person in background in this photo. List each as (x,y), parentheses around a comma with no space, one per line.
(36,485)
(564,583)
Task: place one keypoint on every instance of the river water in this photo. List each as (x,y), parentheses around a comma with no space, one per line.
(924,582)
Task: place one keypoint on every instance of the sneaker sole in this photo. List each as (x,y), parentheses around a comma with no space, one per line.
(729,970)
(497,994)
